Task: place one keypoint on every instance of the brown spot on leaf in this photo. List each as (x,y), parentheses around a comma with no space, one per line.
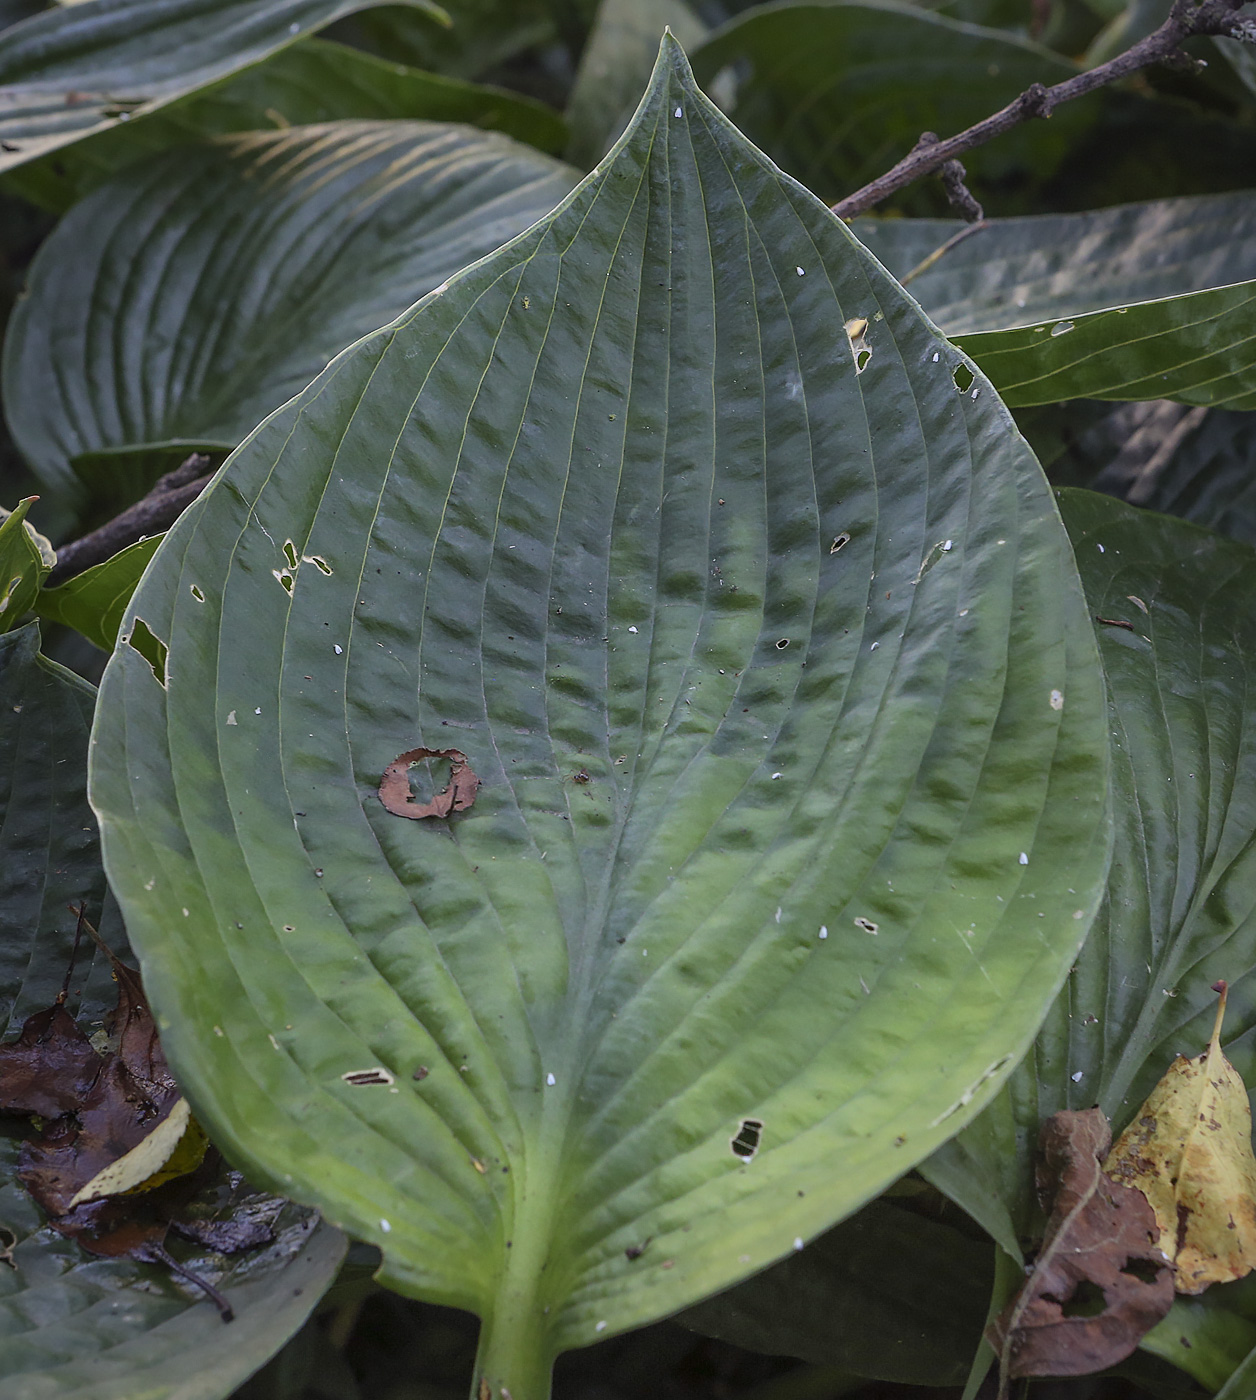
(394,787)
(1100,1281)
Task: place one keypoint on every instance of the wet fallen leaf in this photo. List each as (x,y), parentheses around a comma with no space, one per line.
(394,787)
(1189,1150)
(116,1154)
(1100,1281)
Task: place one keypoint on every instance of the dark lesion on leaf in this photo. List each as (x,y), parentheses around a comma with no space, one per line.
(457,796)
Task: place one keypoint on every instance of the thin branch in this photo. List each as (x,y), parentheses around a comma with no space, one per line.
(156,512)
(1186,20)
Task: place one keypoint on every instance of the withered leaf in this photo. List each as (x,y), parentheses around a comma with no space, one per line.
(50,1068)
(1189,1150)
(1100,1280)
(394,787)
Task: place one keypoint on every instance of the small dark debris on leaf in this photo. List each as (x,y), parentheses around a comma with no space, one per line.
(635,1251)
(421,1073)
(1100,1281)
(1115,622)
(394,787)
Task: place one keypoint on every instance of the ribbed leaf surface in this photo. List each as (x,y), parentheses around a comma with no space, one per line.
(1175,614)
(76,69)
(789,726)
(1145,301)
(74,1326)
(311,82)
(193,294)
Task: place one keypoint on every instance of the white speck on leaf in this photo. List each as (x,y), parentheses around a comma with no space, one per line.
(824,931)
(601,1326)
(1024,858)
(777,775)
(231,719)
(632,629)
(258,710)
(218,1030)
(384,1225)
(778,914)
(678,113)
(549,1079)
(1076,1078)
(338,649)
(798,1242)
(1057,699)
(800,272)
(935,357)
(185,913)
(1079,913)
(1100,548)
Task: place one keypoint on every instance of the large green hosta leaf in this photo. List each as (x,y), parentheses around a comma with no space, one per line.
(1145,301)
(82,68)
(193,294)
(311,82)
(72,1324)
(1181,904)
(789,721)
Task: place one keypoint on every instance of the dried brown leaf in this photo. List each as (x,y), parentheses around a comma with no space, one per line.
(1100,1281)
(1189,1150)
(394,787)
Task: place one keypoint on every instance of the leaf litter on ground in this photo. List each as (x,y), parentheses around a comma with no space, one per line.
(116,1160)
(1189,1150)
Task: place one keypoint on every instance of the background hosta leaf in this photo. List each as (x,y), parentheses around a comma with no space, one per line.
(311,82)
(616,65)
(76,69)
(1048,267)
(837,92)
(193,294)
(888,1293)
(1145,301)
(1181,905)
(73,1325)
(788,721)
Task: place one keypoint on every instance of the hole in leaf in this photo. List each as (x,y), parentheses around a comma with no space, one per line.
(963,378)
(746,1143)
(197,594)
(319,563)
(285,578)
(290,553)
(782,644)
(839,541)
(1086,1300)
(150,647)
(1145,1270)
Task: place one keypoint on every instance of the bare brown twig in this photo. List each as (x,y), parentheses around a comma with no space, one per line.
(1186,20)
(155,512)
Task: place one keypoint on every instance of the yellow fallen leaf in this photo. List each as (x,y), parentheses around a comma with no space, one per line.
(175,1147)
(1189,1150)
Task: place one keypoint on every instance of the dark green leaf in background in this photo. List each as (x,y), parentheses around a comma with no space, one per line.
(80,68)
(836,93)
(788,719)
(888,1293)
(1175,610)
(72,1324)
(615,66)
(311,82)
(193,294)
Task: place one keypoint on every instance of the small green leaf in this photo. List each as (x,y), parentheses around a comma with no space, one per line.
(776,676)
(1210,1336)
(311,82)
(93,602)
(25,559)
(1199,349)
(78,69)
(194,293)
